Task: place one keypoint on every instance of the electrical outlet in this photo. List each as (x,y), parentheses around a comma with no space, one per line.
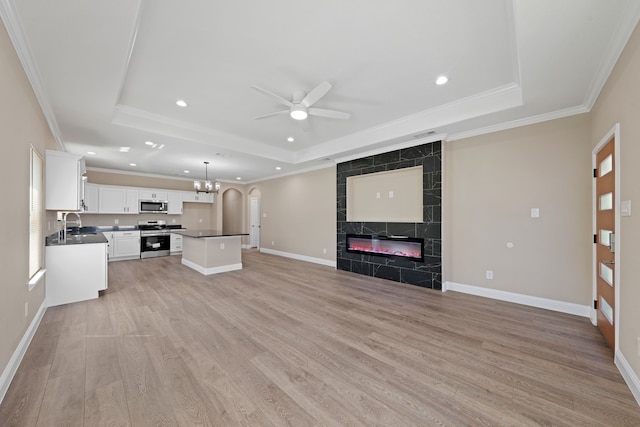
(200,220)
(173,220)
(26,309)
(324,251)
(116,222)
(221,245)
(273,243)
(489,274)
(391,194)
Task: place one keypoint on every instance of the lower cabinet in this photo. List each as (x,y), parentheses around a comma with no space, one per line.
(123,245)
(75,272)
(176,244)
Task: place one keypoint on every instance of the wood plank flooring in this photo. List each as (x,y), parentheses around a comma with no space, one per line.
(284,342)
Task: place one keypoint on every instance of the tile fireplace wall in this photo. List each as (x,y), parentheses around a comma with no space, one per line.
(428,273)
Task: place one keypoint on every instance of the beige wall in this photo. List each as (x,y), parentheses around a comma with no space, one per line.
(619,102)
(300,213)
(21,124)
(492,182)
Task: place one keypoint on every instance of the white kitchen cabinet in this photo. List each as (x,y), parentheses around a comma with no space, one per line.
(126,245)
(192,196)
(63,181)
(91,197)
(175,203)
(75,272)
(176,244)
(152,195)
(117,200)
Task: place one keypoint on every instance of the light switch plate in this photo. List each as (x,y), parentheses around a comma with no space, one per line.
(535,212)
(625,208)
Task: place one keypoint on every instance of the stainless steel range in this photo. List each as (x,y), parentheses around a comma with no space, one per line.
(155,239)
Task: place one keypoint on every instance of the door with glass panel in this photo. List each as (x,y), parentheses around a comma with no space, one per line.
(605,238)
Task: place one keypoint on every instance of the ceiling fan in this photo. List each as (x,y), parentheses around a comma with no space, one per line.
(301,105)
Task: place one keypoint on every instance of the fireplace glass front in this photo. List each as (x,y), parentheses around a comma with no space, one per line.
(388,246)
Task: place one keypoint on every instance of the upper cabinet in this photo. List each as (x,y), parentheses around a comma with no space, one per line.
(192,196)
(116,200)
(153,195)
(91,197)
(64,181)
(175,202)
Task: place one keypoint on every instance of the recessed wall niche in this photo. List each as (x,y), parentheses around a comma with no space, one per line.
(427,273)
(394,195)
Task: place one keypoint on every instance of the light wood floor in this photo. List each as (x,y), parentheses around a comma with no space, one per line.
(285,342)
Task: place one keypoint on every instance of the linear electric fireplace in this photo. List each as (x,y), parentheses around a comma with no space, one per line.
(388,246)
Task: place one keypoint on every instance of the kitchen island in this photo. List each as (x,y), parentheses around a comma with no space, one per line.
(211,251)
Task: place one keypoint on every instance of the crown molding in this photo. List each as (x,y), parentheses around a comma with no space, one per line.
(567,112)
(13,24)
(613,51)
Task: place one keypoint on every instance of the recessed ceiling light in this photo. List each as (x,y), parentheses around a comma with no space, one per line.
(186,172)
(238,178)
(441,80)
(132,164)
(124,149)
(91,152)
(181,103)
(161,146)
(278,168)
(290,139)
(149,142)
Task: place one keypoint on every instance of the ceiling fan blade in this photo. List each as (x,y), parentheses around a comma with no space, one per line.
(273,95)
(331,114)
(315,94)
(277,113)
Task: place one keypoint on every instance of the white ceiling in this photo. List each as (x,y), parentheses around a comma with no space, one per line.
(108,74)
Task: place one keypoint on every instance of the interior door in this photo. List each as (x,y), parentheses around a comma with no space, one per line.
(605,237)
(254,233)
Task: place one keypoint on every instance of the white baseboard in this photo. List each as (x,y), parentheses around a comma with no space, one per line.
(628,374)
(300,257)
(549,304)
(212,270)
(16,358)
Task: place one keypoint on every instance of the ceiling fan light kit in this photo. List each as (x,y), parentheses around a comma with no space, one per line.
(298,112)
(299,106)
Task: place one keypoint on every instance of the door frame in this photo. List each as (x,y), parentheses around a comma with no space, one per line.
(613,133)
(251,212)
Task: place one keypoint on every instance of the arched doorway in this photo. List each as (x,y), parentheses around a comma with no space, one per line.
(231,211)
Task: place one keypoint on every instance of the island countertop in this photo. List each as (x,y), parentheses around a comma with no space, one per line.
(207,233)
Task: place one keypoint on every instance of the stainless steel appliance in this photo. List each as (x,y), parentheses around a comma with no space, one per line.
(153,206)
(155,239)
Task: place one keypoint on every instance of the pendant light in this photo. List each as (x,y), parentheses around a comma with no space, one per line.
(209,187)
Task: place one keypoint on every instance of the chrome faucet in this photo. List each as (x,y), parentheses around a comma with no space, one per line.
(78,222)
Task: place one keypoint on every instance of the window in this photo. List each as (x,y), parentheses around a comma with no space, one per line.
(36,206)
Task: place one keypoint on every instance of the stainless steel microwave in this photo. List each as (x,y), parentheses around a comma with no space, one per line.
(153,206)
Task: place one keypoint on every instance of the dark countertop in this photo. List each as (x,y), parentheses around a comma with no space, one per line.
(207,233)
(75,239)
